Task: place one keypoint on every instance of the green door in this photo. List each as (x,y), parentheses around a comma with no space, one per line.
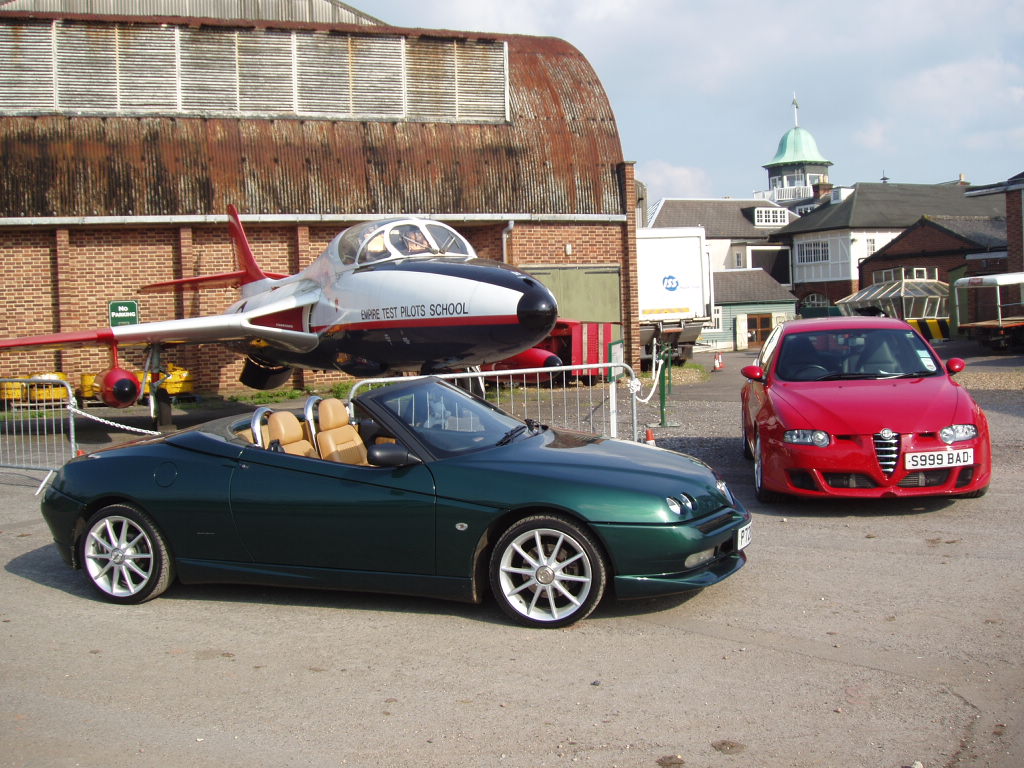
(588,294)
(291,510)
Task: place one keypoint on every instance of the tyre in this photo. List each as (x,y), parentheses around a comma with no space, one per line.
(747,453)
(764,495)
(975,494)
(124,555)
(547,571)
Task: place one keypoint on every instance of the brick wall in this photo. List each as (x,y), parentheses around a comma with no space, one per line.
(833,290)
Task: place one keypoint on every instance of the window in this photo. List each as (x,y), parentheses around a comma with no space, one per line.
(815,300)
(716,319)
(77,67)
(812,252)
(738,260)
(869,245)
(770,217)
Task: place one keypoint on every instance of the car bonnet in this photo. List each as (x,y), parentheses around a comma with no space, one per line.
(867,406)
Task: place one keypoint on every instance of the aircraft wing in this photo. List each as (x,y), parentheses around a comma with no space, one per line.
(275,322)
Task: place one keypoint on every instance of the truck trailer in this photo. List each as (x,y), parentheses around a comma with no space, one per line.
(675,289)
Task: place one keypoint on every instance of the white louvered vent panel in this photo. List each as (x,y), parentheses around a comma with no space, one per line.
(377,77)
(82,67)
(86,68)
(265,71)
(323,75)
(430,65)
(209,80)
(26,67)
(482,81)
(148,69)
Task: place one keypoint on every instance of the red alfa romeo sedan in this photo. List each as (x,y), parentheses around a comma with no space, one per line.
(860,407)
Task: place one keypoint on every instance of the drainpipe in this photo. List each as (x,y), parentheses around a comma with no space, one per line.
(505,233)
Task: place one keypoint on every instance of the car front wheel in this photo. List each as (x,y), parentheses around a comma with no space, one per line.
(764,495)
(124,555)
(547,571)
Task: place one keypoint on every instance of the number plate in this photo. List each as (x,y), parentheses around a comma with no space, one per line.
(938,459)
(743,536)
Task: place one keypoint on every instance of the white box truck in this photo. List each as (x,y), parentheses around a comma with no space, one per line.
(675,288)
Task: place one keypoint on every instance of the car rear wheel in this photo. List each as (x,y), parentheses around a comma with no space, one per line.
(124,555)
(547,571)
(764,495)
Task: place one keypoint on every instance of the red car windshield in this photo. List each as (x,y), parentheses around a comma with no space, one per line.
(855,353)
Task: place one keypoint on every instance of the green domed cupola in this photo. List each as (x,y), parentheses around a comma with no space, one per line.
(797,146)
(798,164)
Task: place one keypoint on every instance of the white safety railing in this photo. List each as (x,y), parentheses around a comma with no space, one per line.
(580,397)
(37,427)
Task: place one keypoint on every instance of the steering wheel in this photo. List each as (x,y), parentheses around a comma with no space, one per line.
(811,372)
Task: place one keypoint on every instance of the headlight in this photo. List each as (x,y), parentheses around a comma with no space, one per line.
(724,490)
(954,433)
(677,505)
(807,437)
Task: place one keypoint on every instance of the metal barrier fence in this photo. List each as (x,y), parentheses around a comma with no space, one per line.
(580,397)
(37,425)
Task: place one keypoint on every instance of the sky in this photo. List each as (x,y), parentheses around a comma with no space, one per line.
(920,91)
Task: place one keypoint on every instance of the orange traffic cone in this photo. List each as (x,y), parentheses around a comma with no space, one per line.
(650,436)
(719,365)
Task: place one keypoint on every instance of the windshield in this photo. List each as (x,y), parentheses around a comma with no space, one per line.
(855,353)
(449,421)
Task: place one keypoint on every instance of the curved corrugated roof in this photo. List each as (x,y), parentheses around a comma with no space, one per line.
(559,154)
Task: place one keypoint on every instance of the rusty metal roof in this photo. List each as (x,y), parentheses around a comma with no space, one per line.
(559,154)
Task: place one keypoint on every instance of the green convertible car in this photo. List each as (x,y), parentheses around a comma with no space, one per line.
(414,488)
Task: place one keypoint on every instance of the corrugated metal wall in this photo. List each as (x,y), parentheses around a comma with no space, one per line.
(559,152)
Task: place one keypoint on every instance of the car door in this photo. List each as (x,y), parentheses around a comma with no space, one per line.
(297,511)
(755,401)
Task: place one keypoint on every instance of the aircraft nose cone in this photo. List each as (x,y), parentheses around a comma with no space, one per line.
(537,310)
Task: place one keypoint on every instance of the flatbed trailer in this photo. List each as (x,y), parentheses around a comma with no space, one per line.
(1004,331)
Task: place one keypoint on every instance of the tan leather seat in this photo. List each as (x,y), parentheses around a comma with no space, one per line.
(285,427)
(337,439)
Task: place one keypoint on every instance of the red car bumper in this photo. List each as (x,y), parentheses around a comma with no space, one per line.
(851,467)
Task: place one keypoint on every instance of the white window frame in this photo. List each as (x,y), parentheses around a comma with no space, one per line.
(812,252)
(771,216)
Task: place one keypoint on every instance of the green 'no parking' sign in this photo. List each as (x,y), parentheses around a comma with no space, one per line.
(124,313)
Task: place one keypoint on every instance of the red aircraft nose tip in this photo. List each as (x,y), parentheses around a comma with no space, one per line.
(537,310)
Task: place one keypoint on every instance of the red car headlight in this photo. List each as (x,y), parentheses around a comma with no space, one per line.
(956,433)
(816,437)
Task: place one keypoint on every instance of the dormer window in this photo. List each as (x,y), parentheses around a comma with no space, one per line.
(770,217)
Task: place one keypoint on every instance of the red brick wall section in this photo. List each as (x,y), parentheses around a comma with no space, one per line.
(943,265)
(30,306)
(833,289)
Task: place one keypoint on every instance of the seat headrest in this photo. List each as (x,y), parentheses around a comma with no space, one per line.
(332,413)
(285,426)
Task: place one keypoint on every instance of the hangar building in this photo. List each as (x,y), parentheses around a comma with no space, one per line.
(125,134)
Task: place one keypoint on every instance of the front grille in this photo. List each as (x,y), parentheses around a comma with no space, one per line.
(849,480)
(714,522)
(888,452)
(925,479)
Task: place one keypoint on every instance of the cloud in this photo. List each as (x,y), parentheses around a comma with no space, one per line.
(667,180)
(874,135)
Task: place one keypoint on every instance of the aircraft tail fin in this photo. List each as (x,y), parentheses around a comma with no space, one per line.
(248,270)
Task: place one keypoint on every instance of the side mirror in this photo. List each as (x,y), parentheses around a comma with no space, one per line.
(753,372)
(955,365)
(390,455)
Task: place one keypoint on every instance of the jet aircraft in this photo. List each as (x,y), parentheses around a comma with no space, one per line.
(402,294)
